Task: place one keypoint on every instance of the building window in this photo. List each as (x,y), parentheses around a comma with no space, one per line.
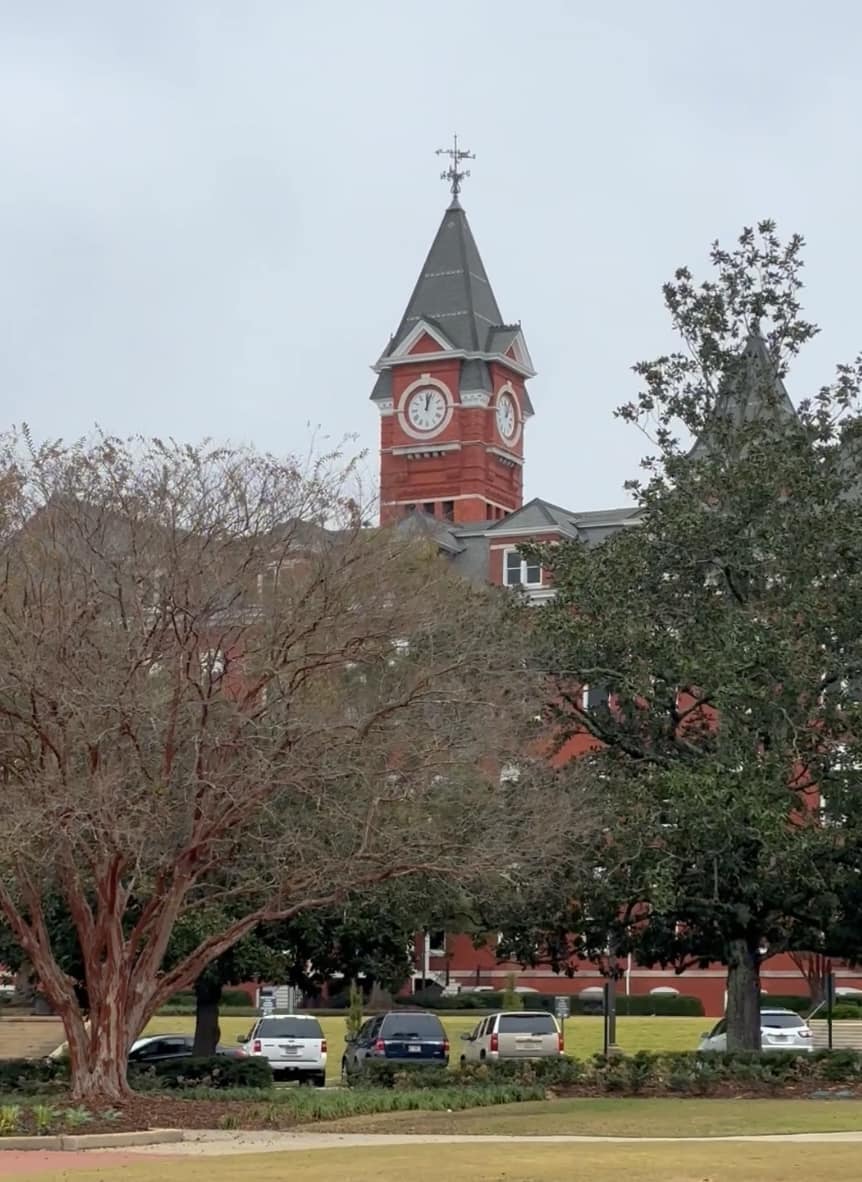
(521,572)
(449,510)
(408,509)
(437,943)
(429,508)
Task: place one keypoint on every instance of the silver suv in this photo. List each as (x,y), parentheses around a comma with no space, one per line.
(513,1034)
(293,1044)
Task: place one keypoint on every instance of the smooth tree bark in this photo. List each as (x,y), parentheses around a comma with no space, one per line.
(222,698)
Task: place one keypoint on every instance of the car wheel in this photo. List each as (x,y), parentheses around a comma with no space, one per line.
(345,1074)
(463,1060)
(319,1080)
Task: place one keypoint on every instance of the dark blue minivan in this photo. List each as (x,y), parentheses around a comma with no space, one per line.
(399,1036)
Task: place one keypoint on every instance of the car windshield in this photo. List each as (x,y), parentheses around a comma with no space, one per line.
(527,1024)
(289,1028)
(413,1026)
(781,1020)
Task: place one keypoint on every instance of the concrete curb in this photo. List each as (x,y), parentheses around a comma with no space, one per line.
(68,1142)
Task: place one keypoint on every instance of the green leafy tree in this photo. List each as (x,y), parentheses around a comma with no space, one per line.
(511,999)
(719,636)
(353,1020)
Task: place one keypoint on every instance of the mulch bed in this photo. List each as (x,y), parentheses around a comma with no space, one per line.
(167,1112)
(160,1112)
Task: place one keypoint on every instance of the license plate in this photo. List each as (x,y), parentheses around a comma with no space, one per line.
(290,1050)
(413,1048)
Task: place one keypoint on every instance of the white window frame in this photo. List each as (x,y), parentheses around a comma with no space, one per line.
(524,564)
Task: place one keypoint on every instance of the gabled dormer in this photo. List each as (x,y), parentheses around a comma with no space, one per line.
(451,391)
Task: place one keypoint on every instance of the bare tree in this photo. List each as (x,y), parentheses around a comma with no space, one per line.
(217,687)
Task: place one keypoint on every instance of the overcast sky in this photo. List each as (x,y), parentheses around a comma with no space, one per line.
(213,212)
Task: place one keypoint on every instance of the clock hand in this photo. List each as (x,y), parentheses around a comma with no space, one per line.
(427,400)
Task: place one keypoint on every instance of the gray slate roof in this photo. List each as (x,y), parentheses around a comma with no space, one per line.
(453,292)
(753,391)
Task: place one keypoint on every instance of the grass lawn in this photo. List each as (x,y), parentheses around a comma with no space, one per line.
(583,1035)
(723,1162)
(602,1117)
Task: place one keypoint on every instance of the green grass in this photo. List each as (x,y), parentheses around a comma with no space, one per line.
(602,1117)
(583,1035)
(725,1162)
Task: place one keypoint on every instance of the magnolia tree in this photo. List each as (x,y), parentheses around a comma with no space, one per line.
(720,637)
(219,693)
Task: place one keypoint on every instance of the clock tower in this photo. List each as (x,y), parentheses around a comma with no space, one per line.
(451,388)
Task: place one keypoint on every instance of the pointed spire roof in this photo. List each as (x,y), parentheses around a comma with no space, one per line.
(453,292)
(753,390)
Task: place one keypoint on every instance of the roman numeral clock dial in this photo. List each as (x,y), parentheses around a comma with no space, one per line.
(426,409)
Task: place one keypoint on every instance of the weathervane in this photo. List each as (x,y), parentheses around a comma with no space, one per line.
(453,173)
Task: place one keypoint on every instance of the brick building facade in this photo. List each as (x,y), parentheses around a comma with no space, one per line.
(454,408)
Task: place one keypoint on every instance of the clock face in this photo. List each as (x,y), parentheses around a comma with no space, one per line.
(426,409)
(507,419)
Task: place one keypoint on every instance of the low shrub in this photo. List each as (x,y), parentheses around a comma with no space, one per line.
(635,1005)
(184,1011)
(559,1071)
(33,1075)
(843,1011)
(216,1072)
(800,1003)
(231,998)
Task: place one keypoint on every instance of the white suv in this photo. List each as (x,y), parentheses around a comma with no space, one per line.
(780,1030)
(293,1044)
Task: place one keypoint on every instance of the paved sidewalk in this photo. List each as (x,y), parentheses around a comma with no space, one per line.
(224,1143)
(18,1163)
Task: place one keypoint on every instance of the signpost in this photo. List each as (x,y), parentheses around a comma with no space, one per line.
(830,1002)
(610,1016)
(561,1009)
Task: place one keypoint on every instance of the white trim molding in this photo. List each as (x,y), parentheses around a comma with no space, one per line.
(475,398)
(506,457)
(386,406)
(422,382)
(508,390)
(420,329)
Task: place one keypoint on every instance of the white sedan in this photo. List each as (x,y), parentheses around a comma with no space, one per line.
(780,1030)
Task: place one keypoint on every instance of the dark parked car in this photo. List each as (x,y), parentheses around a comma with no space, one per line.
(400,1036)
(164,1048)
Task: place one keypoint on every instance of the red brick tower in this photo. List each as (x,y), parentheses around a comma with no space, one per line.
(451,389)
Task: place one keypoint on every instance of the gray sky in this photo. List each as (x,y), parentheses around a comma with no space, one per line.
(213,212)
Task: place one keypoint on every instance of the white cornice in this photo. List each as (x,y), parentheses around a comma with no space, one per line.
(417,449)
(475,397)
(506,456)
(452,355)
(420,329)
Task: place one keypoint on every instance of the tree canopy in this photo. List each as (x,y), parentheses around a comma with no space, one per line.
(720,641)
(220,694)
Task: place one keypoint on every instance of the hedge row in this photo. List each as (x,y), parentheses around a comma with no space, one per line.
(685,1072)
(216,1072)
(51,1075)
(230,999)
(634,1005)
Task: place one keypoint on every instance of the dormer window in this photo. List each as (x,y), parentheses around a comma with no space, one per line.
(519,571)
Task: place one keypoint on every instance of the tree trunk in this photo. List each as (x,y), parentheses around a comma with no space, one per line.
(98,1056)
(743,996)
(207,1032)
(815,968)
